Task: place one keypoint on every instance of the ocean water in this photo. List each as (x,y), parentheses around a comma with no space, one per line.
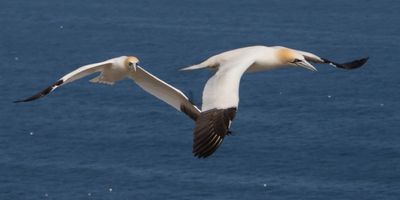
(334,134)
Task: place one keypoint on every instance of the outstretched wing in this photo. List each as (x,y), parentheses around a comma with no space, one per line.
(164,92)
(348,65)
(222,89)
(72,76)
(220,101)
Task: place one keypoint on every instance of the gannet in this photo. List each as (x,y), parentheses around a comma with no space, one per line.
(116,69)
(221,93)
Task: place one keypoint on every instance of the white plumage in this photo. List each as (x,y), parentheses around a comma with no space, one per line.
(222,89)
(221,92)
(116,69)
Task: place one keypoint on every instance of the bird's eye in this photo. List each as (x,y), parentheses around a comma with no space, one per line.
(130,64)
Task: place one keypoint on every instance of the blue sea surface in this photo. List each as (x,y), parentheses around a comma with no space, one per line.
(334,134)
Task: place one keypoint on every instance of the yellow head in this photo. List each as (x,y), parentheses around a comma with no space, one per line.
(131,62)
(291,57)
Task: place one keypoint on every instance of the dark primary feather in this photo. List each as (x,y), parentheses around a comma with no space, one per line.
(348,65)
(211,128)
(41,93)
(190,111)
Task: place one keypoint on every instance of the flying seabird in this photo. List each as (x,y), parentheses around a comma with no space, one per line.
(221,93)
(116,69)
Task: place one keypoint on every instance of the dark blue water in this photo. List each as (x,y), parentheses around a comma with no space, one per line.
(298,135)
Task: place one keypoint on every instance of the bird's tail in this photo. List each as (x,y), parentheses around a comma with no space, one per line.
(209,63)
(193,67)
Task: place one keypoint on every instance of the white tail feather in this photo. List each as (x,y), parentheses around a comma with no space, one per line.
(193,67)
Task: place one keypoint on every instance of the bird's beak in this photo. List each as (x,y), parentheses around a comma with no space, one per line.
(306,65)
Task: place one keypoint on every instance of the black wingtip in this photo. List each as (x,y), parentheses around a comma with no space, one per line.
(18,101)
(42,93)
(25,100)
(355,64)
(37,96)
(211,128)
(348,65)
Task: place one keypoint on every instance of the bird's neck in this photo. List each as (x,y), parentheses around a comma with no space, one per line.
(265,62)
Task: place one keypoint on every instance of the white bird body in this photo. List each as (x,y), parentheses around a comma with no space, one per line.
(221,92)
(116,69)
(222,89)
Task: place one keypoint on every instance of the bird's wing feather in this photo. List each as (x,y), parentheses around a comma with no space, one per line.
(222,89)
(72,76)
(211,128)
(348,65)
(164,92)
(85,71)
(220,101)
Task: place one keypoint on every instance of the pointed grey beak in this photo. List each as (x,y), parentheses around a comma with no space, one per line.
(306,65)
